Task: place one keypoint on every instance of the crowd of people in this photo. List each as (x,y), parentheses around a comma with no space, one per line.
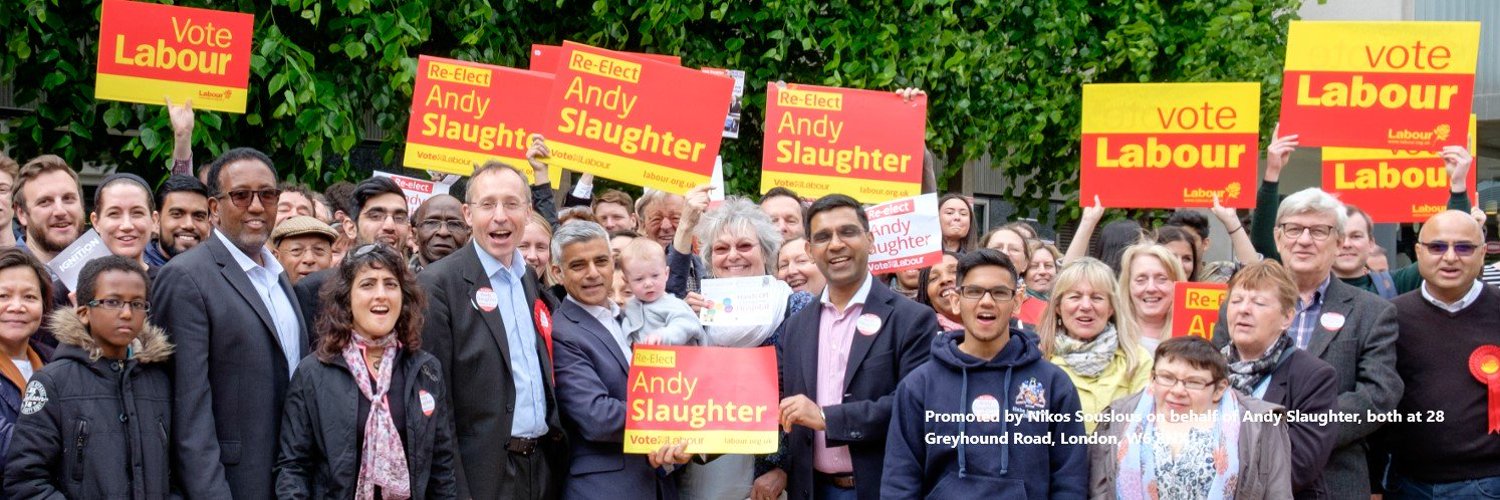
(248,338)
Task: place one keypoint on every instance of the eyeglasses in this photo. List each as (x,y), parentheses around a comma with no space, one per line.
(847,233)
(382,215)
(1319,232)
(999,294)
(241,198)
(117,304)
(1167,382)
(432,225)
(1462,248)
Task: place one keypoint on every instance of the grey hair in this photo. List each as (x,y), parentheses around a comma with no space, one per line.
(575,231)
(649,197)
(1314,201)
(738,213)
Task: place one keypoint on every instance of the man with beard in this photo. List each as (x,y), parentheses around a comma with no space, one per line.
(440,230)
(49,203)
(379,217)
(182,222)
(230,310)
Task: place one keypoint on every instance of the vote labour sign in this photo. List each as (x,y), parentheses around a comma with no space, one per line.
(907,234)
(825,140)
(1407,85)
(464,114)
(635,120)
(1170,145)
(149,52)
(1393,185)
(716,399)
(1195,308)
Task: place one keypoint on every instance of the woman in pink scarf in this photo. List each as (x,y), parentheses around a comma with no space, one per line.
(366,416)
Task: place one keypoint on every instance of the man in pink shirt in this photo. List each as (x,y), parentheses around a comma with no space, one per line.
(841,362)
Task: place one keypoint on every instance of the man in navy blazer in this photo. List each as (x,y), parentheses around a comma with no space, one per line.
(239,332)
(593,364)
(841,362)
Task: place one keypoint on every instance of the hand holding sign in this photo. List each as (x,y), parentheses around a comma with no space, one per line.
(1279,153)
(535,154)
(1457,160)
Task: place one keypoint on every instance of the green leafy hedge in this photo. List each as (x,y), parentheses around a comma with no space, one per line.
(1003,76)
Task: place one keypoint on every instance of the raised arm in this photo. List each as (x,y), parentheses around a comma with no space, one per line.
(1239,238)
(1078,248)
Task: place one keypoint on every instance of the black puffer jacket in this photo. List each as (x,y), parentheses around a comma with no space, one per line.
(323,424)
(92,427)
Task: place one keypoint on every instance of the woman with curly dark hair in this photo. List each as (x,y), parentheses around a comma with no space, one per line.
(368,373)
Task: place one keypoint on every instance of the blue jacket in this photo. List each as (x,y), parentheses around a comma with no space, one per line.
(925,457)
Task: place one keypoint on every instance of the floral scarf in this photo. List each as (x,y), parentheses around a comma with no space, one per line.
(382,462)
(1245,375)
(1137,474)
(1088,358)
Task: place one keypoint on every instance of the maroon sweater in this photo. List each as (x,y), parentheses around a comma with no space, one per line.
(1432,357)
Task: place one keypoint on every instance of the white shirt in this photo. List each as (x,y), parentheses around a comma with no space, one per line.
(266,280)
(607,317)
(24,365)
(1454,307)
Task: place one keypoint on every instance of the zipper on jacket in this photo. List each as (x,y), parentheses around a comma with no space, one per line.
(80,443)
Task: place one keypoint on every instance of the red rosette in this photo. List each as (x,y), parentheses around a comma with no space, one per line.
(1484,365)
(542,318)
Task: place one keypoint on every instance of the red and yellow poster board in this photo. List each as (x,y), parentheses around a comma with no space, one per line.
(1393,185)
(718,399)
(1407,85)
(465,113)
(825,140)
(1195,308)
(150,52)
(1170,145)
(635,120)
(544,57)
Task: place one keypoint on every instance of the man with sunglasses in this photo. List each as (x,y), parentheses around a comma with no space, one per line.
(379,217)
(841,361)
(986,381)
(229,307)
(1351,329)
(1446,354)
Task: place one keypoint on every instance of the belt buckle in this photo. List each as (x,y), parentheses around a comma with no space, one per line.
(522,446)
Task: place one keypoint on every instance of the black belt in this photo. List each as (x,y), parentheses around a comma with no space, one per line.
(522,446)
(842,481)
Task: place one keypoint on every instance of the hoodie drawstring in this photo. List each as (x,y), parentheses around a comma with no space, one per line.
(963,398)
(1005,424)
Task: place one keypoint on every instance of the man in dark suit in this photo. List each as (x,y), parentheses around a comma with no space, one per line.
(380,217)
(593,362)
(491,330)
(841,362)
(1351,329)
(230,310)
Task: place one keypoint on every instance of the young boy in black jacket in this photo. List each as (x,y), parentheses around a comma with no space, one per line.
(94,423)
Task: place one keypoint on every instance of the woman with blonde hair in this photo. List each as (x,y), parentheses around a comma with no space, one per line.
(1080,332)
(1148,274)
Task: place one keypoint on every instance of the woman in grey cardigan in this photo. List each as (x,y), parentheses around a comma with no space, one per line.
(1188,436)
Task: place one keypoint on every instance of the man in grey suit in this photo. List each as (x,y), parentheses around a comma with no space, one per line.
(593,362)
(1351,329)
(230,309)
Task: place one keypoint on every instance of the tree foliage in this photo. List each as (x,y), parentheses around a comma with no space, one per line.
(1003,76)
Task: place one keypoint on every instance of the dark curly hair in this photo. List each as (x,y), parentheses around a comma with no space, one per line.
(335,325)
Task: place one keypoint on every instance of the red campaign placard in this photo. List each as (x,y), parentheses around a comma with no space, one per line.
(148,52)
(635,120)
(717,399)
(544,57)
(465,113)
(825,140)
(1394,190)
(1126,170)
(1195,308)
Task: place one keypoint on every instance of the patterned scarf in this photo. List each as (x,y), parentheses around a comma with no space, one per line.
(382,462)
(1088,358)
(1245,375)
(1137,474)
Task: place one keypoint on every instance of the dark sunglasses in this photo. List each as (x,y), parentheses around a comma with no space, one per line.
(1463,249)
(241,198)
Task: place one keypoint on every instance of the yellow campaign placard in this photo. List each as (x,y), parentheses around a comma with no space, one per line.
(1432,47)
(1169,145)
